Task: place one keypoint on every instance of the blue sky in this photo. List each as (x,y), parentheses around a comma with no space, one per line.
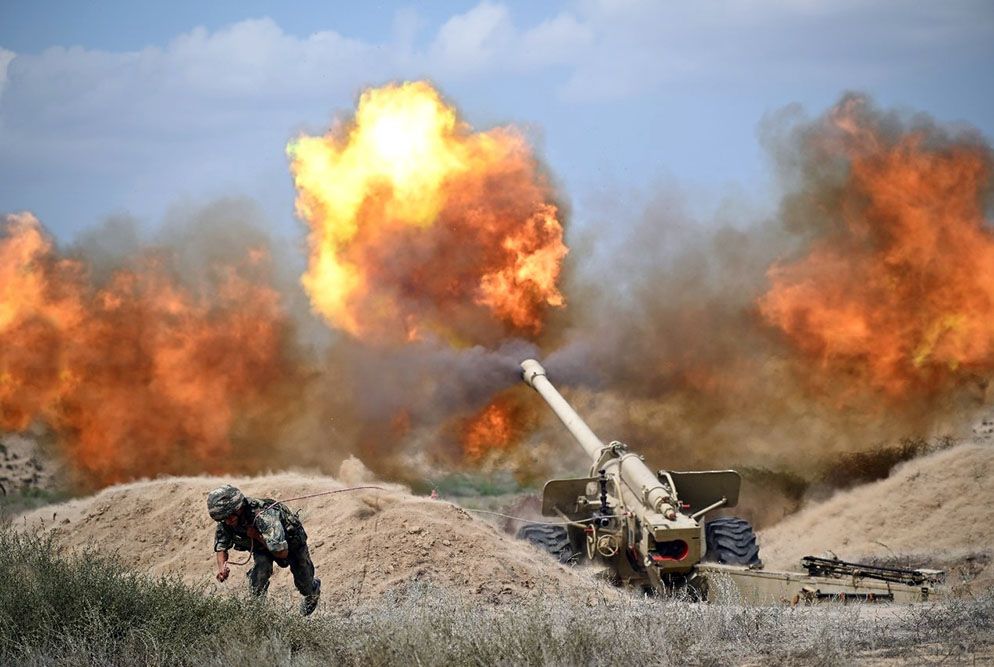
(136,108)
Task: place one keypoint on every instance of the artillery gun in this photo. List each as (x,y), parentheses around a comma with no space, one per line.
(648,528)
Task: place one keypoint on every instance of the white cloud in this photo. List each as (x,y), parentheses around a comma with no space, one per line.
(5,59)
(475,40)
(599,49)
(611,49)
(561,39)
(640,45)
(206,114)
(198,88)
(485,40)
(211,109)
(256,56)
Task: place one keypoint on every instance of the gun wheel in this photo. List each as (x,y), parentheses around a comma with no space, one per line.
(731,541)
(554,540)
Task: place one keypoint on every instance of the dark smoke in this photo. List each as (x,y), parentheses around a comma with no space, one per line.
(398,405)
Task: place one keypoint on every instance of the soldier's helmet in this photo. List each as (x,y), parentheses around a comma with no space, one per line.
(224,501)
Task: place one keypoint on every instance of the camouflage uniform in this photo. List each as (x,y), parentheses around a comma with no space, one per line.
(264,530)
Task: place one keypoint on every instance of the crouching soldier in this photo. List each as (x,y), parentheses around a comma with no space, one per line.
(271,532)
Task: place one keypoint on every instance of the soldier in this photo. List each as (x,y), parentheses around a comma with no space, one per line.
(271,532)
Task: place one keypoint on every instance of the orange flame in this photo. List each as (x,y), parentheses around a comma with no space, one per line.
(419,225)
(140,376)
(902,293)
(497,426)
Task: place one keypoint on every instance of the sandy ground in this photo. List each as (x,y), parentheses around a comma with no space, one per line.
(936,509)
(363,543)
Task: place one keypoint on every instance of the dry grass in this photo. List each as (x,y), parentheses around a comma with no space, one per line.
(92,611)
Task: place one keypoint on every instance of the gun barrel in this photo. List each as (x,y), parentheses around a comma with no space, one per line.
(534,375)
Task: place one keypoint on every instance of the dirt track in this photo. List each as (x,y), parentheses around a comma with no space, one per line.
(363,543)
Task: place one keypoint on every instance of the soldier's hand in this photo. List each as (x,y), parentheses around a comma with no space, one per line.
(223,573)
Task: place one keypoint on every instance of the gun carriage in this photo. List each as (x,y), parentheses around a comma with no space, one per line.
(649,528)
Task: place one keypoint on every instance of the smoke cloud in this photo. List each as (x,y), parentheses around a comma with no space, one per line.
(857,317)
(854,317)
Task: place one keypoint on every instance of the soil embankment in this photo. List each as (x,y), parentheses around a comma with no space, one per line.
(363,543)
(931,511)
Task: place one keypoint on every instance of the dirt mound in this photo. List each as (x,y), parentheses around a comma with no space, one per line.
(931,510)
(363,543)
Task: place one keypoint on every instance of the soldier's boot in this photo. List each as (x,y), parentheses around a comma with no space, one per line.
(310,602)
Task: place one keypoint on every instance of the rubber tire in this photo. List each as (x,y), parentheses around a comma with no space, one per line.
(731,541)
(554,540)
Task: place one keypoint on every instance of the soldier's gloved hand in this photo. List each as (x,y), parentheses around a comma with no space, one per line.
(282,562)
(223,573)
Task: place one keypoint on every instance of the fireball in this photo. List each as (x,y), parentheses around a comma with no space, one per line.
(139,376)
(419,225)
(900,292)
